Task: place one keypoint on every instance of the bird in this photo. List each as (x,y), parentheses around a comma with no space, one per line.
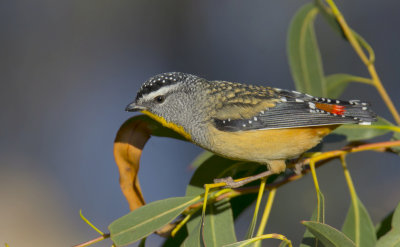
(244,122)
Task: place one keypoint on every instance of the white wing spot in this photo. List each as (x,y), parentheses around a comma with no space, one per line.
(311,105)
(283,99)
(299,100)
(255,119)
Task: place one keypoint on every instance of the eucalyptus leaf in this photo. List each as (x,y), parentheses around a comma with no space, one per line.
(218,227)
(201,158)
(177,240)
(329,236)
(384,226)
(194,238)
(392,238)
(366,231)
(303,52)
(218,223)
(355,132)
(337,83)
(146,219)
(247,242)
(326,12)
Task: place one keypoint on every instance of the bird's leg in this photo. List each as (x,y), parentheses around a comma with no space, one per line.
(230,183)
(274,167)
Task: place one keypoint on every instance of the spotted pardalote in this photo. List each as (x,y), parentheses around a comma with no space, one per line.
(245,122)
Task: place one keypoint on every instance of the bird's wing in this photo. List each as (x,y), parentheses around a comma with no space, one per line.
(291,109)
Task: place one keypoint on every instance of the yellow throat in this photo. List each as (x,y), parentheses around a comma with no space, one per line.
(177,128)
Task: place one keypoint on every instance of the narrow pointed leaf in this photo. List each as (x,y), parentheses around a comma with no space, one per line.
(366,228)
(384,226)
(354,132)
(177,240)
(392,238)
(218,226)
(194,237)
(326,12)
(303,52)
(247,242)
(201,158)
(329,236)
(337,83)
(145,220)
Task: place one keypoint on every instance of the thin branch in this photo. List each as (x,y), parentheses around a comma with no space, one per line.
(90,242)
(368,63)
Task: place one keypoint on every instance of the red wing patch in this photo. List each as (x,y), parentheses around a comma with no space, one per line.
(334,109)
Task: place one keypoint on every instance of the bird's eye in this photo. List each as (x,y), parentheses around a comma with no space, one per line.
(159,99)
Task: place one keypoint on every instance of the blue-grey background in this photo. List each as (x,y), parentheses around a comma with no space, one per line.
(69,68)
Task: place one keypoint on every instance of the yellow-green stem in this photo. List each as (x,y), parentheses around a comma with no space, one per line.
(267,211)
(316,185)
(272,235)
(90,223)
(354,199)
(370,66)
(257,208)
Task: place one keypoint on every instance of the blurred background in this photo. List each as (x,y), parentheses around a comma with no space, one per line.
(69,68)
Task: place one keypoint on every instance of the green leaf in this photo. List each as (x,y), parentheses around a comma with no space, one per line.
(384,226)
(201,158)
(145,220)
(392,238)
(326,12)
(218,226)
(252,241)
(355,132)
(243,243)
(177,240)
(194,237)
(309,239)
(337,83)
(218,167)
(303,52)
(142,243)
(329,236)
(366,232)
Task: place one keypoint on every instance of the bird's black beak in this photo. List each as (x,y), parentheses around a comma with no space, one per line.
(133,107)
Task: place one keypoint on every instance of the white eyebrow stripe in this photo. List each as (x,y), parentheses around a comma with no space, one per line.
(161,91)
